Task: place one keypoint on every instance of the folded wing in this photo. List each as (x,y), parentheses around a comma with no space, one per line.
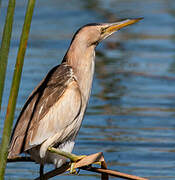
(50,111)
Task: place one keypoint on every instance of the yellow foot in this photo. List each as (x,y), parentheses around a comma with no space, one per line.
(76,159)
(98,163)
(73,158)
(72,169)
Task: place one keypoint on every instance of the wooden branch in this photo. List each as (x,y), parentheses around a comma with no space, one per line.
(84,164)
(104,176)
(56,172)
(113,173)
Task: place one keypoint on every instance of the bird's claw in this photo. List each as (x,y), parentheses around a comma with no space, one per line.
(98,163)
(72,169)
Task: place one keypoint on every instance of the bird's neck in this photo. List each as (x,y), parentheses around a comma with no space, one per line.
(81,59)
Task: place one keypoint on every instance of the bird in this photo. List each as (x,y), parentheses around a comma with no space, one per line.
(53,113)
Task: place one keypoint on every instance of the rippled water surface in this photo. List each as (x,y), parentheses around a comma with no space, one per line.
(131,114)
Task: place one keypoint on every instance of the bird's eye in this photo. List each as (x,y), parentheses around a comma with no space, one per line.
(103,30)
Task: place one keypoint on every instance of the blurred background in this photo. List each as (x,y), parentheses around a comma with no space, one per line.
(131,113)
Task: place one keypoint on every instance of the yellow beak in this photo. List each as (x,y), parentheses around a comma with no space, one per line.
(118,25)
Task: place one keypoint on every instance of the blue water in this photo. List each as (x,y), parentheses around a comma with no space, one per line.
(131,113)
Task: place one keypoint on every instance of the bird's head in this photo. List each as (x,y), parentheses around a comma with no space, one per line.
(87,38)
(92,34)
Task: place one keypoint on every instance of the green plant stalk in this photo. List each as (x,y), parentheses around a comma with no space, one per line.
(5,44)
(15,88)
(0,3)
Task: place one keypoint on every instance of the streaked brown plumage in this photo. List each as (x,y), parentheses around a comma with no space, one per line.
(53,113)
(45,95)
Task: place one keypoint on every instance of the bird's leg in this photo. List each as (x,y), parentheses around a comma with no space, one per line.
(41,171)
(73,158)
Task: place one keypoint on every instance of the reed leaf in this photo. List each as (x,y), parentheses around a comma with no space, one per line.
(0,3)
(5,45)
(15,87)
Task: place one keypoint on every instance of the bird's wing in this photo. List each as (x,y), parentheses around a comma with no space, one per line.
(51,107)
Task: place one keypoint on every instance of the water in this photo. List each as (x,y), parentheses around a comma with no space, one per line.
(131,112)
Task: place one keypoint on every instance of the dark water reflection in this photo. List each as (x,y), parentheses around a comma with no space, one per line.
(131,112)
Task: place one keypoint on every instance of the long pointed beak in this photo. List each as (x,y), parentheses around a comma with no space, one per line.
(118,25)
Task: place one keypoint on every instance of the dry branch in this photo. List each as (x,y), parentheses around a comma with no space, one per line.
(113,173)
(84,164)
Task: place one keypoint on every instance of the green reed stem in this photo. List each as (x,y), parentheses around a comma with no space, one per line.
(0,3)
(5,44)
(15,87)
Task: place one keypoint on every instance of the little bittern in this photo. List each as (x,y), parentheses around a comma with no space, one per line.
(53,113)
